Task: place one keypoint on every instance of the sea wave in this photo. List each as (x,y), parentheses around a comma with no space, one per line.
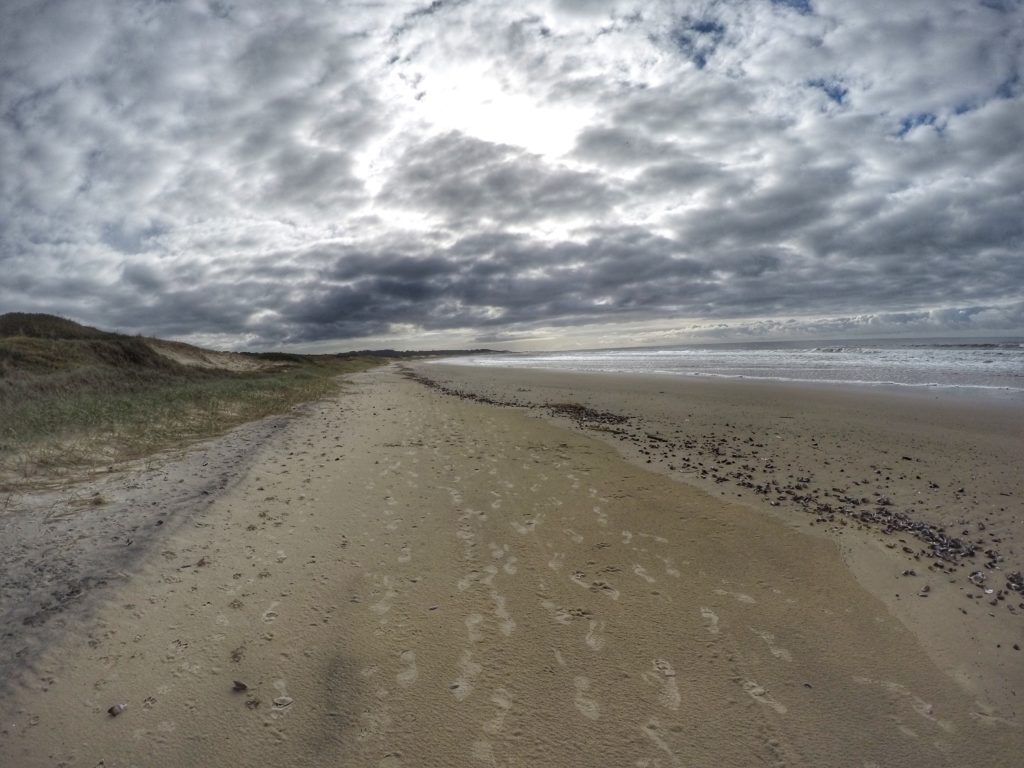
(996,365)
(853,382)
(848,350)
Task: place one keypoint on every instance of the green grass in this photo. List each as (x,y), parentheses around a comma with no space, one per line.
(111,402)
(71,405)
(75,398)
(39,326)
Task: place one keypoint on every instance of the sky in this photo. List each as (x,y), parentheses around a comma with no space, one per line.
(330,175)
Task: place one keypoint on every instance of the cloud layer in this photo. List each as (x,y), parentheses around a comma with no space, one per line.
(331,174)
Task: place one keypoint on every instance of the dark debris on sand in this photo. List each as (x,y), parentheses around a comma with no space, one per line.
(734,461)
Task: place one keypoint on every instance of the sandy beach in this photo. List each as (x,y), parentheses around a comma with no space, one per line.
(402,577)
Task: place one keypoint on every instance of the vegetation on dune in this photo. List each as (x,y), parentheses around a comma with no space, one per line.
(40,326)
(74,398)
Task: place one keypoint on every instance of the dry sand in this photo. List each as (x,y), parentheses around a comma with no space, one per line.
(403,578)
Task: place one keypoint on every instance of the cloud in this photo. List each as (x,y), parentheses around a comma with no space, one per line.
(978,321)
(264,174)
(468,181)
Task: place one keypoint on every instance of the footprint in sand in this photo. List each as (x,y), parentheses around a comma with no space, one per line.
(510,566)
(557,561)
(711,618)
(409,673)
(560,615)
(627,537)
(654,731)
(605,589)
(473,622)
(270,615)
(578,578)
(919,705)
(664,676)
(498,551)
(282,703)
(576,538)
(505,623)
(986,713)
(669,568)
(524,528)
(760,695)
(640,571)
(738,596)
(595,636)
(503,701)
(405,554)
(468,671)
(654,537)
(769,639)
(587,706)
(383,605)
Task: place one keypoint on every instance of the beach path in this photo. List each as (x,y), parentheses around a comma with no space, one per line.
(409,579)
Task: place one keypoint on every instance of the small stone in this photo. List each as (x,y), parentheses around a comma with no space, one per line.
(117,709)
(238,685)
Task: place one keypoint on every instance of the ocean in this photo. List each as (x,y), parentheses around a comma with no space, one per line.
(986,364)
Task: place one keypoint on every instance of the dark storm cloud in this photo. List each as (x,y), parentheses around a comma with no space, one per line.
(466,181)
(615,146)
(265,173)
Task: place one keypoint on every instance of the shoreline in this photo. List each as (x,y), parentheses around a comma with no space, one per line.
(402,578)
(847,445)
(998,396)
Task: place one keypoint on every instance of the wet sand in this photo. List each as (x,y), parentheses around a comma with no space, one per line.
(404,578)
(840,462)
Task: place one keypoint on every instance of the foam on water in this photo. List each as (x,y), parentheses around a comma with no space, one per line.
(980,365)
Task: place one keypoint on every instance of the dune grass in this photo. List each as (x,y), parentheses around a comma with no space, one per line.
(71,405)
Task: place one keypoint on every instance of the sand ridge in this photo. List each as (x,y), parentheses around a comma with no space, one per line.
(406,579)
